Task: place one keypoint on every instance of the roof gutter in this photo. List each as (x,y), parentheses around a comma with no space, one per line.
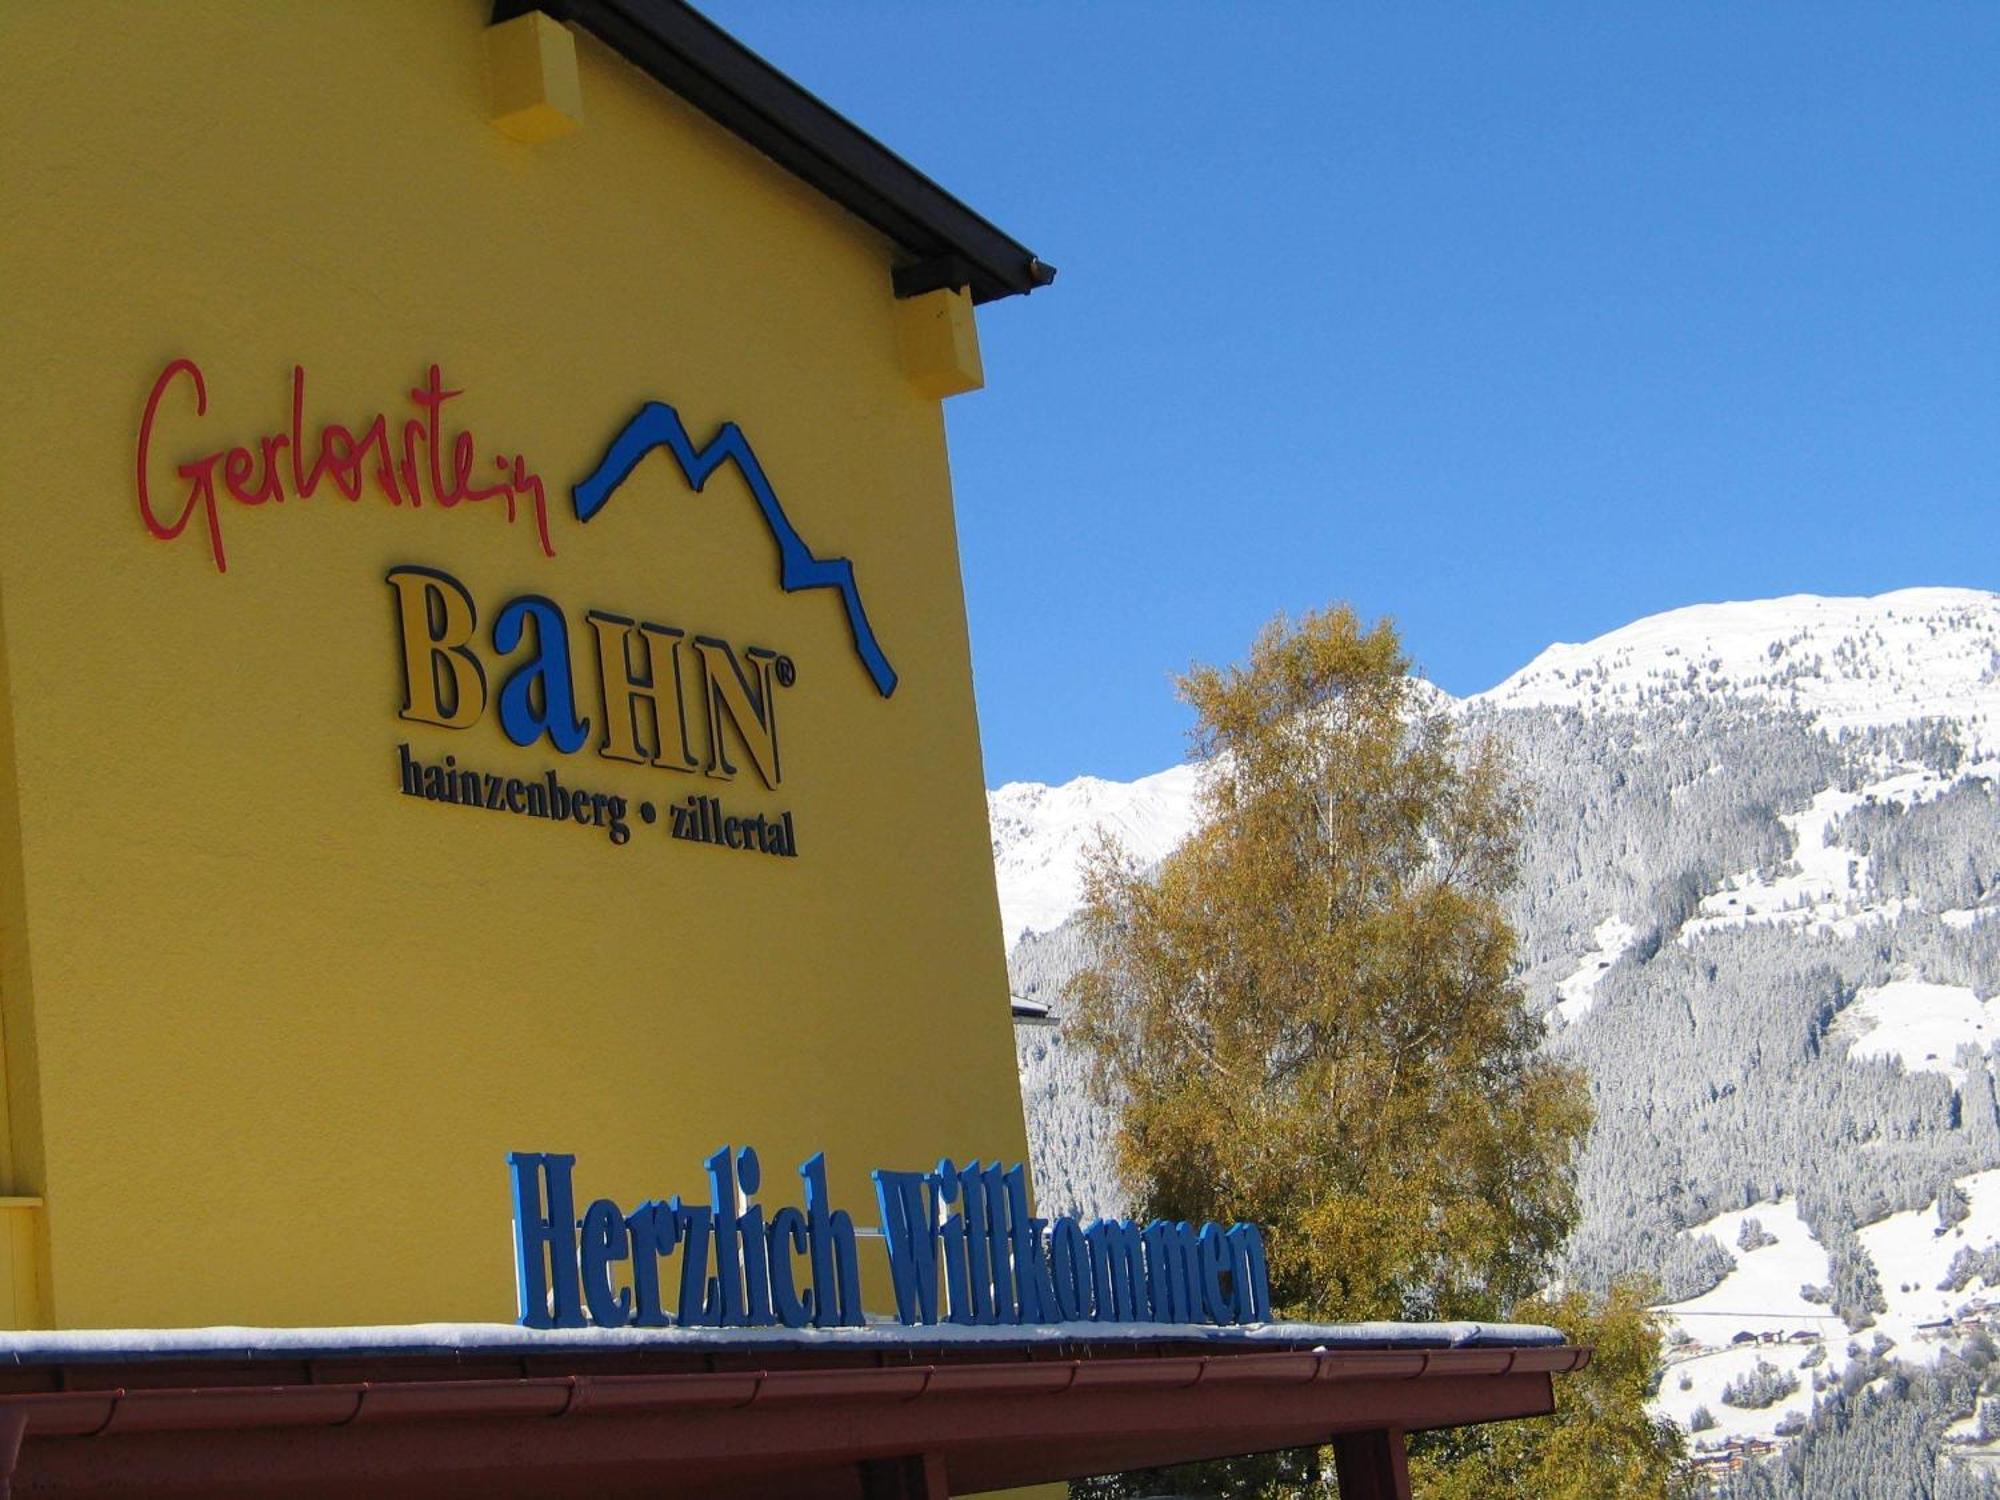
(394,1428)
(106,1413)
(949,244)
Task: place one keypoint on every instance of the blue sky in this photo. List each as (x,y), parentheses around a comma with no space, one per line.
(1513,324)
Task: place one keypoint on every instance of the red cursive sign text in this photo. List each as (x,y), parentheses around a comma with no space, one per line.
(412,464)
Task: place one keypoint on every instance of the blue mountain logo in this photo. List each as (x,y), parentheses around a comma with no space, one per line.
(658,425)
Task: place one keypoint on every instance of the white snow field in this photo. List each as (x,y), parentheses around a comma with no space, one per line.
(1758,1313)
(1760,1298)
(1913,1253)
(1921,1025)
(1576,993)
(1708,1372)
(1825,888)
(1762,1295)
(1849,662)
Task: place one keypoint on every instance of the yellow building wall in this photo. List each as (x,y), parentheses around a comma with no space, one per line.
(269,1025)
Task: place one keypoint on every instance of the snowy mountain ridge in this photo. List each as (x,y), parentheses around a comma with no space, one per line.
(1850,663)
(1040,833)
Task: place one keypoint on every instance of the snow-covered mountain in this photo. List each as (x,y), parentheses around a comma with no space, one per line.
(1040,831)
(1846,663)
(1760,908)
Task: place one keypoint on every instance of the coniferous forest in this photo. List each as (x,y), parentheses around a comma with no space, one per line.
(1721,1044)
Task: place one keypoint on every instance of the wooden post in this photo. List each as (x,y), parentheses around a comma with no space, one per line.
(1372,1465)
(13,1428)
(918,1476)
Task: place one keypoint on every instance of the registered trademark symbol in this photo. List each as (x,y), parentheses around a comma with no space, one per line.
(787,673)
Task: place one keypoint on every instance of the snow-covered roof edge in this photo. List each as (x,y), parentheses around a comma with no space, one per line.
(81,1345)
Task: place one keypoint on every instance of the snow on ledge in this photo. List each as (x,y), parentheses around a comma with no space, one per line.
(83,1345)
(1576,994)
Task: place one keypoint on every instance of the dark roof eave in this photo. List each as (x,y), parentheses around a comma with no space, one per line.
(753,1424)
(947,242)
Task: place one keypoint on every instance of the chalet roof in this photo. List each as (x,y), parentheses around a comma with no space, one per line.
(948,244)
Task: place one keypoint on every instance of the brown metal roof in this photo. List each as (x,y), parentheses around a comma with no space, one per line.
(948,244)
(799,1422)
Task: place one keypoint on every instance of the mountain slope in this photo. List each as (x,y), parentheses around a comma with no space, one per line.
(1040,833)
(1846,663)
(1759,906)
